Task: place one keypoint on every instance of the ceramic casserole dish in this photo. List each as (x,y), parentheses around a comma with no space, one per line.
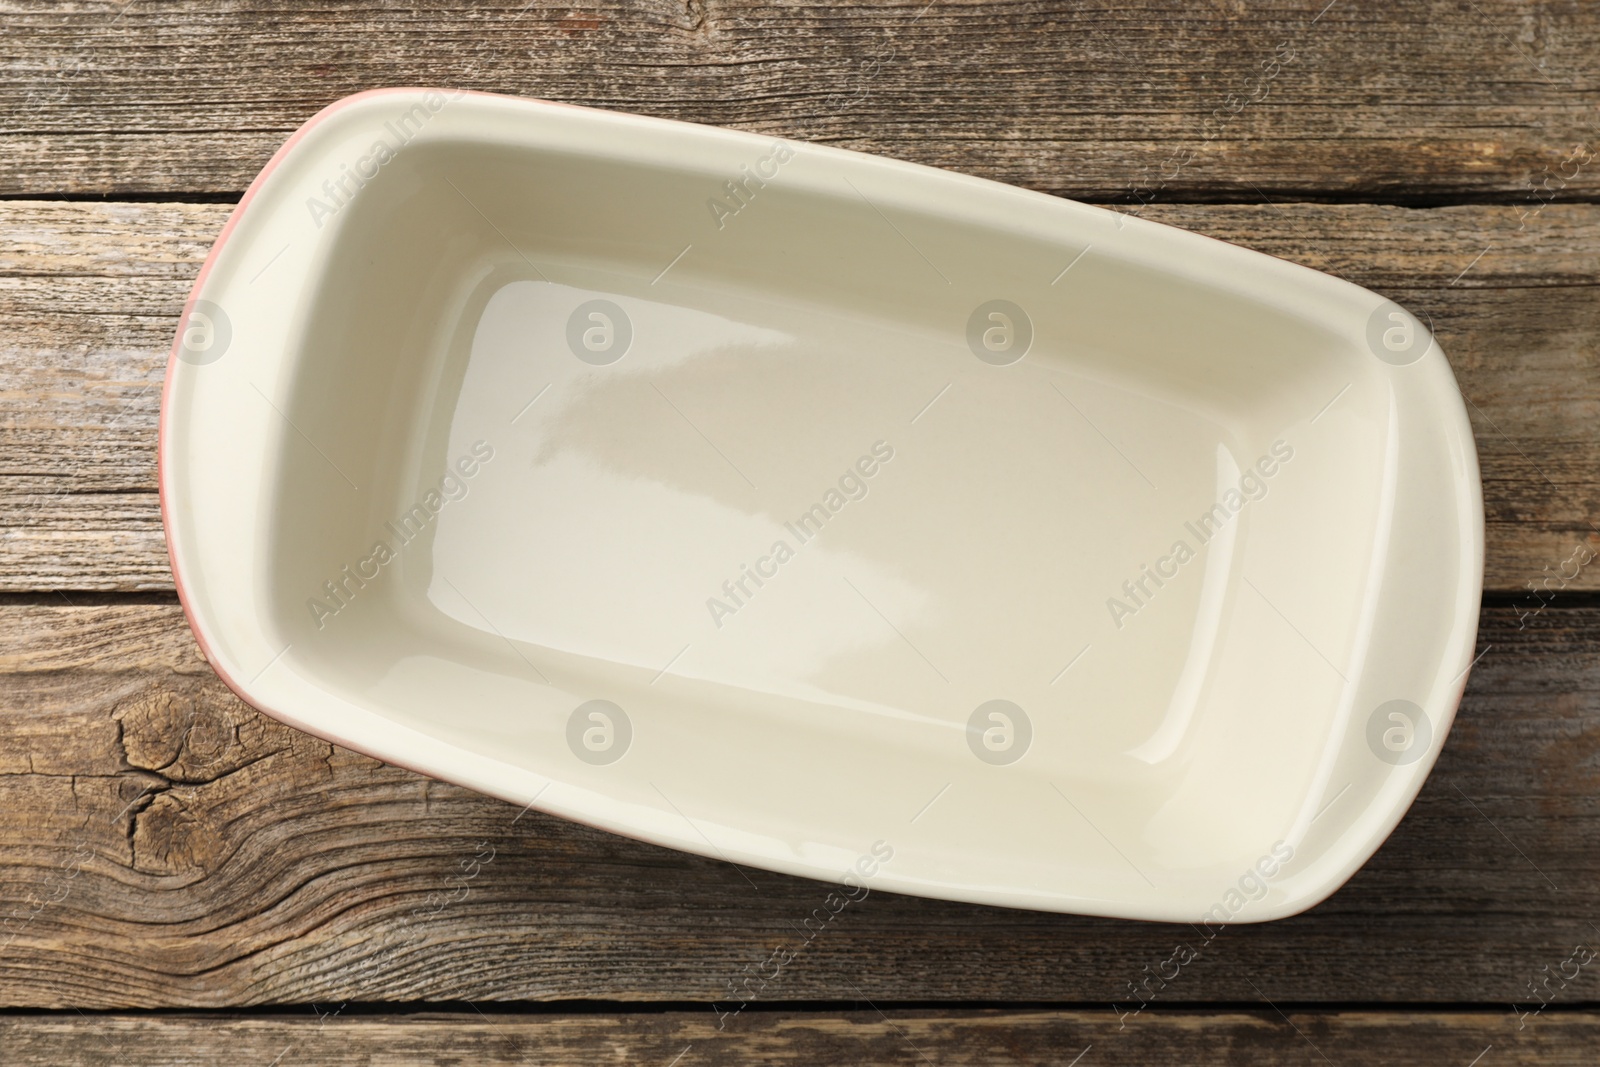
(820,512)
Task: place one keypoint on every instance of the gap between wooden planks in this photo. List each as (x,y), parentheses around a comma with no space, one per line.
(913,1038)
(90,296)
(1373,99)
(166,846)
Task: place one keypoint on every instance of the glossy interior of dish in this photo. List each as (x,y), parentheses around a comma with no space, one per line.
(557,429)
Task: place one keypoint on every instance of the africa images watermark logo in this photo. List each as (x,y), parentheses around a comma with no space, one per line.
(341,590)
(1250,887)
(599,732)
(339,190)
(1139,590)
(738,591)
(205,334)
(739,192)
(754,980)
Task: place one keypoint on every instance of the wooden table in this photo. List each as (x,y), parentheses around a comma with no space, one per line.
(185,881)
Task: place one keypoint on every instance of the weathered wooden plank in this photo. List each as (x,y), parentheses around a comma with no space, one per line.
(88,303)
(90,294)
(691,1039)
(1141,99)
(166,846)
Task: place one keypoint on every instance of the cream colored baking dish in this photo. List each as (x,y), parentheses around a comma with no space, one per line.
(821,512)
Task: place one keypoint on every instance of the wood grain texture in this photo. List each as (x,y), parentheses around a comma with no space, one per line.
(164,845)
(1141,99)
(90,296)
(862,1036)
